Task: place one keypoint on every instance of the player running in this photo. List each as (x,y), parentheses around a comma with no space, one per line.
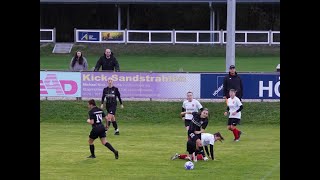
(98,130)
(234,110)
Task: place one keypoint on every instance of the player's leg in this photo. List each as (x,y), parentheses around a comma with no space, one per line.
(175,156)
(186,125)
(113,120)
(235,130)
(108,117)
(104,142)
(191,147)
(92,137)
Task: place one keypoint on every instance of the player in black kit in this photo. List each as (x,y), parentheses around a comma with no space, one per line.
(197,126)
(98,130)
(110,93)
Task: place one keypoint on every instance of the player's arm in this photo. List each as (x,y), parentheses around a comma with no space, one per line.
(90,120)
(119,97)
(116,65)
(240,108)
(103,97)
(227,110)
(106,119)
(202,129)
(98,65)
(211,152)
(183,110)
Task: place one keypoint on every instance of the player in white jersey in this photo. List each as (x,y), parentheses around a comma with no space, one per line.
(207,139)
(234,110)
(188,107)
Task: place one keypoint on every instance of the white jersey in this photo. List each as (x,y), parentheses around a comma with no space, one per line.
(207,138)
(192,106)
(234,104)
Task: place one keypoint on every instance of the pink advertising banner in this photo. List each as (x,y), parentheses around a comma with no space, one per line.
(141,85)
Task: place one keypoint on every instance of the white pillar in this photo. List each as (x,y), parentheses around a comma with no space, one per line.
(212,18)
(119,17)
(231,25)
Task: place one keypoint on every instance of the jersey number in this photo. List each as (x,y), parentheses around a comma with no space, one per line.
(192,135)
(99,118)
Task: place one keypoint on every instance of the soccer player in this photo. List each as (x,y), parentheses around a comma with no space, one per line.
(197,126)
(110,93)
(98,130)
(206,140)
(234,110)
(189,105)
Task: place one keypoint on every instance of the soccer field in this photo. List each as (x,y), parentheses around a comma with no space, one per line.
(150,133)
(170,63)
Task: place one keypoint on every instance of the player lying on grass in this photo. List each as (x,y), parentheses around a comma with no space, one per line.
(207,139)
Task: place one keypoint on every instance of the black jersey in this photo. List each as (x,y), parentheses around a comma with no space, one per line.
(110,94)
(97,115)
(197,122)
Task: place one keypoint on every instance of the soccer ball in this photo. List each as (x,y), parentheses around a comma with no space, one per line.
(188,165)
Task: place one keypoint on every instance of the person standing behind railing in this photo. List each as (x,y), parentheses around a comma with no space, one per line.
(108,62)
(78,62)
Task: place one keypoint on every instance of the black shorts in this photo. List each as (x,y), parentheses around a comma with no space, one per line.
(187,122)
(193,137)
(233,121)
(191,147)
(97,131)
(111,108)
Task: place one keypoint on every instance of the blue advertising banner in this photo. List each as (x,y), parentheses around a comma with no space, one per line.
(255,86)
(88,36)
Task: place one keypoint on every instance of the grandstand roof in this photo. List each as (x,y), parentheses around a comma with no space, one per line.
(154,1)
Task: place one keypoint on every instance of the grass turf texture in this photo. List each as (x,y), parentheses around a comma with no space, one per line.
(150,133)
(171,64)
(165,57)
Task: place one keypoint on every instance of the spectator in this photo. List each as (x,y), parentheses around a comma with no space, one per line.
(232,81)
(108,62)
(78,62)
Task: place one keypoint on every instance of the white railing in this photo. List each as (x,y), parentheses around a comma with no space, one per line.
(175,37)
(149,35)
(52,35)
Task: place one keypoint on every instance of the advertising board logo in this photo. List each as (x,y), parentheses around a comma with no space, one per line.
(59,87)
(270,87)
(85,37)
(219,87)
(88,36)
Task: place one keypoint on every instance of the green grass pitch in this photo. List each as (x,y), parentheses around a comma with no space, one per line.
(150,133)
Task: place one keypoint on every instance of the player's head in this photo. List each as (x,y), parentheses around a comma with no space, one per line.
(204,113)
(107,52)
(232,93)
(110,81)
(232,69)
(91,103)
(78,54)
(189,96)
(218,137)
